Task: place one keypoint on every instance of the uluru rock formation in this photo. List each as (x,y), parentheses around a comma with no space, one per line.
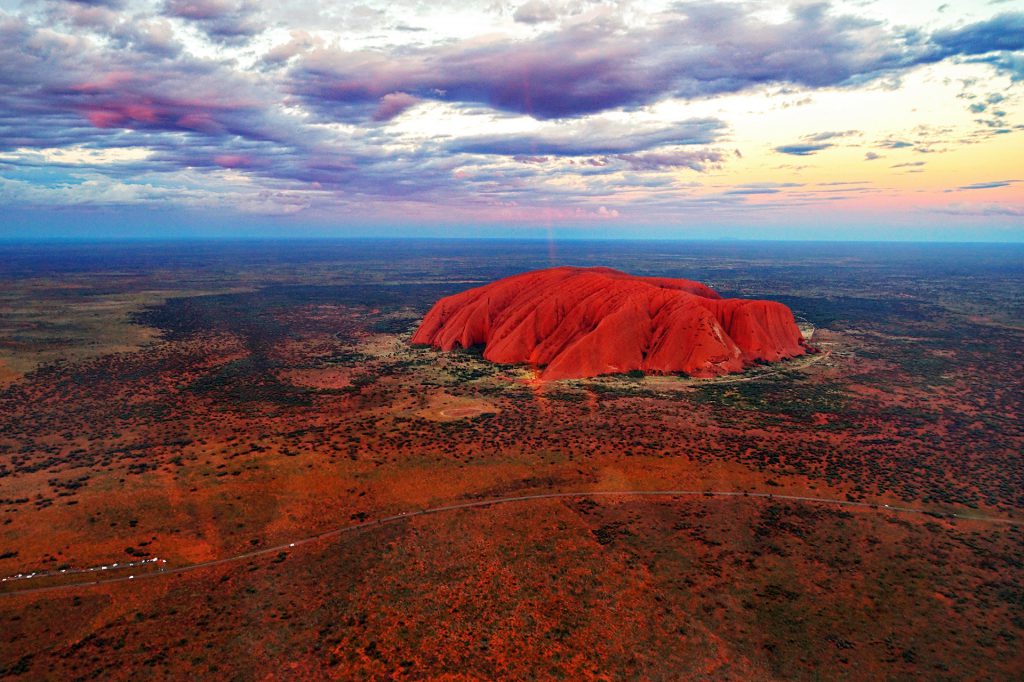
(582,322)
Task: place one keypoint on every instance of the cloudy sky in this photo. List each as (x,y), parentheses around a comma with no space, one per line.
(849,119)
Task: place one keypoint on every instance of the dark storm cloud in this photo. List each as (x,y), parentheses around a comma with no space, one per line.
(802,149)
(998,42)
(581,69)
(511,76)
(1001,33)
(593,137)
(1012,64)
(587,68)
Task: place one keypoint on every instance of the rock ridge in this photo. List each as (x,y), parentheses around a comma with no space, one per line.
(573,322)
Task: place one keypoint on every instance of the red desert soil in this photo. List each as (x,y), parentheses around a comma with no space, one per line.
(582,322)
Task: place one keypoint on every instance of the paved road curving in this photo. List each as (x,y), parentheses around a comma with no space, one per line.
(402,516)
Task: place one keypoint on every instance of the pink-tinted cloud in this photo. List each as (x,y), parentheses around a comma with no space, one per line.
(114,74)
(703,49)
(393,104)
(698,160)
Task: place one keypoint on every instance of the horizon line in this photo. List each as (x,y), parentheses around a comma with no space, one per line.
(193,238)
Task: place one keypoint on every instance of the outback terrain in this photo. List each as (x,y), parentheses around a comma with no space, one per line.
(229,460)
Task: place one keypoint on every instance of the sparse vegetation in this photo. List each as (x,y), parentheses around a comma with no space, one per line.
(281,407)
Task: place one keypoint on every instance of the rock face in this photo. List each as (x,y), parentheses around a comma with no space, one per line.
(582,322)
